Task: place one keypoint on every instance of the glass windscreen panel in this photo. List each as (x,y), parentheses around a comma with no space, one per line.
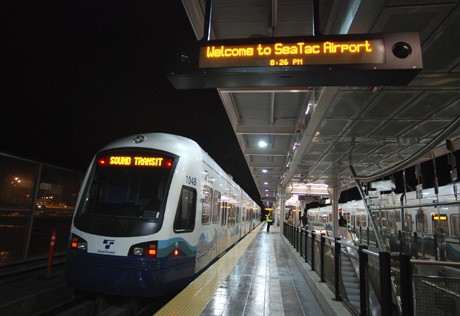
(127,186)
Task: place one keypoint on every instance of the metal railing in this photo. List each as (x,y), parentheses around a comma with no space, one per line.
(365,280)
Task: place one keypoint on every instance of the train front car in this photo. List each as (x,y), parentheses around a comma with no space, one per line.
(132,232)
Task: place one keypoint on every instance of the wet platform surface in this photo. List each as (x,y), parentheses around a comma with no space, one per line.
(259,276)
(265,281)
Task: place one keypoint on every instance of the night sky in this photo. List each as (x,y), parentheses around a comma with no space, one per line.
(78,74)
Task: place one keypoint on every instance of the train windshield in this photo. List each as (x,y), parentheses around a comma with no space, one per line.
(128,188)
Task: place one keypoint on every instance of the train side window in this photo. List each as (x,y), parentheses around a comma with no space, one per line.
(186,210)
(206,205)
(440,226)
(408,223)
(421,222)
(237,214)
(231,215)
(217,201)
(455,225)
(391,219)
(361,220)
(224,213)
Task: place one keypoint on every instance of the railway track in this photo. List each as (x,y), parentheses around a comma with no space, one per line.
(91,305)
(28,291)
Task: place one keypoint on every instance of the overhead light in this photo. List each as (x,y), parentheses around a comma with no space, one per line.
(266,183)
(264,170)
(263,144)
(309,107)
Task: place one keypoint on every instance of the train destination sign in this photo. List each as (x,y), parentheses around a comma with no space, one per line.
(135,161)
(299,53)
(336,60)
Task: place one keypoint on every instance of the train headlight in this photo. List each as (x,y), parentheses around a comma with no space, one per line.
(138,251)
(78,243)
(82,245)
(145,249)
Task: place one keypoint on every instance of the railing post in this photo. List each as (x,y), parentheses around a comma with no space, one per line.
(293,236)
(401,246)
(435,241)
(305,245)
(297,238)
(338,261)
(416,245)
(385,283)
(405,268)
(290,233)
(321,257)
(294,230)
(367,235)
(363,295)
(312,250)
(300,242)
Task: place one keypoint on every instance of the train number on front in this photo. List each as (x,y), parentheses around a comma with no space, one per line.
(190,180)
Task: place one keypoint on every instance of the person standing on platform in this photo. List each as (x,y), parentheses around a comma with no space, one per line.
(305,218)
(268,219)
(342,221)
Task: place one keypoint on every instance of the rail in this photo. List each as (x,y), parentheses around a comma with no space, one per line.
(21,266)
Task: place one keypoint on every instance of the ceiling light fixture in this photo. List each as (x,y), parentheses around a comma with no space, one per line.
(263,144)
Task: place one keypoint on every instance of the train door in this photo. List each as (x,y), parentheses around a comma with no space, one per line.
(455,225)
(216,218)
(186,210)
(223,226)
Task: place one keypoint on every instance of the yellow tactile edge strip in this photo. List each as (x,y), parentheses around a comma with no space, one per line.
(194,298)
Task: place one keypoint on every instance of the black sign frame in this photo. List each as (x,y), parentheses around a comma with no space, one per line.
(402,61)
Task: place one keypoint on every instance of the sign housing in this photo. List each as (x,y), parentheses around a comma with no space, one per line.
(338,60)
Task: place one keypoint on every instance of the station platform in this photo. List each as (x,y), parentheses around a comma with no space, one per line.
(261,275)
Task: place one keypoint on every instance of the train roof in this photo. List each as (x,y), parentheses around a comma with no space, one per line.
(163,141)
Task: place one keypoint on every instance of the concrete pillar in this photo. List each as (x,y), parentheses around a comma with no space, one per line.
(334,192)
(282,201)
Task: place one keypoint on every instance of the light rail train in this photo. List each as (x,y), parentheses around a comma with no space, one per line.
(422,213)
(154,210)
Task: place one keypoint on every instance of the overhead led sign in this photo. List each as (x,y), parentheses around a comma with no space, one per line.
(335,60)
(135,161)
(298,53)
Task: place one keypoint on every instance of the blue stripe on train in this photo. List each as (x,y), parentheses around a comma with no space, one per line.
(128,276)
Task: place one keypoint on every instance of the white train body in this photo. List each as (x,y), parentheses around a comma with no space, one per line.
(153,211)
(421,214)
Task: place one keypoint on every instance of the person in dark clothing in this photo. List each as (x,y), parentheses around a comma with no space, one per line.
(304,218)
(342,221)
(268,219)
